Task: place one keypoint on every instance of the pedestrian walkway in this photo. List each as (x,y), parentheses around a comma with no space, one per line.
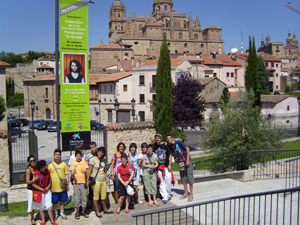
(203,191)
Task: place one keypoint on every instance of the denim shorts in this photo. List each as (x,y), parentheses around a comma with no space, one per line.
(116,183)
(59,197)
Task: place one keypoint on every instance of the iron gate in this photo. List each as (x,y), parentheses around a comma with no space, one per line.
(21,145)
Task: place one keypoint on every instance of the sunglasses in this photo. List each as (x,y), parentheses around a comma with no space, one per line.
(32,161)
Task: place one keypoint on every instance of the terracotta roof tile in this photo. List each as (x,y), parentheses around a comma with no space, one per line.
(174,62)
(206,68)
(113,77)
(106,46)
(4,64)
(43,78)
(152,24)
(227,61)
(271,69)
(211,61)
(45,66)
(213,27)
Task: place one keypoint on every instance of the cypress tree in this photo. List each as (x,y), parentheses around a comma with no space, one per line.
(163,104)
(251,77)
(263,76)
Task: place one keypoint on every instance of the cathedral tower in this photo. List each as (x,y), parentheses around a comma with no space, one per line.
(161,7)
(117,19)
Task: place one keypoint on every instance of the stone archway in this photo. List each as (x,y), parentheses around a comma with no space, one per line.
(48,114)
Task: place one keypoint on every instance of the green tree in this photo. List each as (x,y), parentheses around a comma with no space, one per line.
(251,76)
(10,88)
(225,97)
(240,127)
(263,76)
(163,103)
(33,55)
(287,89)
(276,93)
(2,107)
(11,58)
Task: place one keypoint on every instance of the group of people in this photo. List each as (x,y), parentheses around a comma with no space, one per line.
(48,186)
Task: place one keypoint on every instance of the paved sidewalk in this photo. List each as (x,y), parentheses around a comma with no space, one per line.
(203,191)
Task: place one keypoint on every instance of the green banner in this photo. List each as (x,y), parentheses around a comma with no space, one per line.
(74,76)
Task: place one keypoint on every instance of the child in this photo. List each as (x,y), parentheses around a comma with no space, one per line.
(42,187)
(79,169)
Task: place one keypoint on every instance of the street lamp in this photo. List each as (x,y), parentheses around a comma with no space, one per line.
(32,106)
(99,102)
(133,110)
(19,122)
(298,99)
(117,104)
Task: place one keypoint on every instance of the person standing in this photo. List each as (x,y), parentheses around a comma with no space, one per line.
(140,164)
(182,156)
(30,180)
(78,147)
(79,170)
(149,173)
(42,189)
(58,170)
(164,155)
(93,148)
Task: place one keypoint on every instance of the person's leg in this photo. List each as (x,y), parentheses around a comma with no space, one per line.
(103,194)
(162,187)
(127,202)
(50,214)
(42,215)
(168,181)
(96,190)
(191,189)
(84,197)
(116,189)
(120,202)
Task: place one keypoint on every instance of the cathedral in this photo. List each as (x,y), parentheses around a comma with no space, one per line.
(145,33)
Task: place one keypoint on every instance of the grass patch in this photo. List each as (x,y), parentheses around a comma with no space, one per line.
(20,209)
(292,145)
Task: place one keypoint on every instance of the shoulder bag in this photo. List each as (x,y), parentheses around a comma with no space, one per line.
(92,180)
(63,181)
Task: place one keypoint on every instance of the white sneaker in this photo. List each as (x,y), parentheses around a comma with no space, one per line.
(63,216)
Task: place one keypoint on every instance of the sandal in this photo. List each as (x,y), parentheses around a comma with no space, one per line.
(150,203)
(156,203)
(118,211)
(85,215)
(191,198)
(127,210)
(33,222)
(77,216)
(183,196)
(141,202)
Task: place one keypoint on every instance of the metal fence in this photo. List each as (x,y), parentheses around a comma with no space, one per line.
(292,178)
(265,163)
(272,207)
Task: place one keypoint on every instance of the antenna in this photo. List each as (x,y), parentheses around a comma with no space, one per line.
(242,47)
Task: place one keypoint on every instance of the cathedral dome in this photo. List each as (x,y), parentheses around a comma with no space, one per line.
(117,3)
(162,1)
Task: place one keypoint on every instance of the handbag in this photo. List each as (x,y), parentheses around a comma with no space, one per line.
(129,190)
(92,180)
(36,196)
(182,166)
(63,181)
(151,171)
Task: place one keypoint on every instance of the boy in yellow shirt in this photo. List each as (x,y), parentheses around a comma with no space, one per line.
(79,169)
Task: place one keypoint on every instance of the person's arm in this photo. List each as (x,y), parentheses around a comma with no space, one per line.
(37,187)
(170,163)
(140,162)
(130,178)
(187,156)
(105,172)
(48,187)
(155,165)
(120,179)
(28,181)
(112,168)
(89,174)
(144,164)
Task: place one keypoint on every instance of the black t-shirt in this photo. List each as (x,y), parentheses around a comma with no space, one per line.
(163,152)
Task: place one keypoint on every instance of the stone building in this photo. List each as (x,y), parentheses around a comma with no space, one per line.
(278,49)
(145,33)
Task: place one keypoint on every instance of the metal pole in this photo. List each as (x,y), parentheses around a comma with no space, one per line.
(298,99)
(57,72)
(32,128)
(19,122)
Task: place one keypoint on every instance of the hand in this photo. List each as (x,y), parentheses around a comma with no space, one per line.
(187,163)
(52,191)
(73,172)
(126,183)
(83,171)
(45,191)
(67,188)
(113,177)
(87,184)
(35,179)
(169,168)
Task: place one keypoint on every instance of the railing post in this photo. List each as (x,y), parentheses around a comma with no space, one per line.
(33,144)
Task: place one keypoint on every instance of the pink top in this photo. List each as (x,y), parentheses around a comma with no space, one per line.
(118,161)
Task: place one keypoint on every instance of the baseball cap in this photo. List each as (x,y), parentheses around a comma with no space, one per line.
(158,135)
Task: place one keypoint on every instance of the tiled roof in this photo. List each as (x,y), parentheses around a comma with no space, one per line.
(211,61)
(43,78)
(275,98)
(95,77)
(271,69)
(227,61)
(133,125)
(206,80)
(124,44)
(106,46)
(174,62)
(283,70)
(265,56)
(206,68)
(45,66)
(212,27)
(113,77)
(127,65)
(4,64)
(152,24)
(192,58)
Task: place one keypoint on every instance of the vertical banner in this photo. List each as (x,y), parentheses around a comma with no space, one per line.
(74,76)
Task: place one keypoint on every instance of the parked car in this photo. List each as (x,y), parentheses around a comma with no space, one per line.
(44,124)
(35,123)
(15,122)
(95,125)
(52,126)
(9,118)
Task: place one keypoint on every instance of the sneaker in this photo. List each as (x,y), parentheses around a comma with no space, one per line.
(63,216)
(55,216)
(164,201)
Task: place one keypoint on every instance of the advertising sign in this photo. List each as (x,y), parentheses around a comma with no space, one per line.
(74,76)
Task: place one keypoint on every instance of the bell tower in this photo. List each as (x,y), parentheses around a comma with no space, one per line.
(161,7)
(117,19)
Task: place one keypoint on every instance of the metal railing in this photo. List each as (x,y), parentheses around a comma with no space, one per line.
(292,170)
(266,164)
(272,207)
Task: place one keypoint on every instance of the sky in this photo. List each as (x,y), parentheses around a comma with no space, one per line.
(30,24)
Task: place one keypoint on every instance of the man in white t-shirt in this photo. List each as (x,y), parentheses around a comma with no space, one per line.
(78,147)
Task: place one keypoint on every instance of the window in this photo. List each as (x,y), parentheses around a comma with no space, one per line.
(185,45)
(267,64)
(276,74)
(46,93)
(153,81)
(109,113)
(272,64)
(119,14)
(166,8)
(287,121)
(276,86)
(154,97)
(142,98)
(180,35)
(202,45)
(196,36)
(125,87)
(111,88)
(214,74)
(227,74)
(115,55)
(142,115)
(140,27)
(288,108)
(276,64)
(142,80)
(232,74)
(116,27)
(158,8)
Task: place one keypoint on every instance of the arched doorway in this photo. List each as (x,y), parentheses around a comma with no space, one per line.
(48,114)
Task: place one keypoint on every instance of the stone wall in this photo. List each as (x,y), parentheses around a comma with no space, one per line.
(137,132)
